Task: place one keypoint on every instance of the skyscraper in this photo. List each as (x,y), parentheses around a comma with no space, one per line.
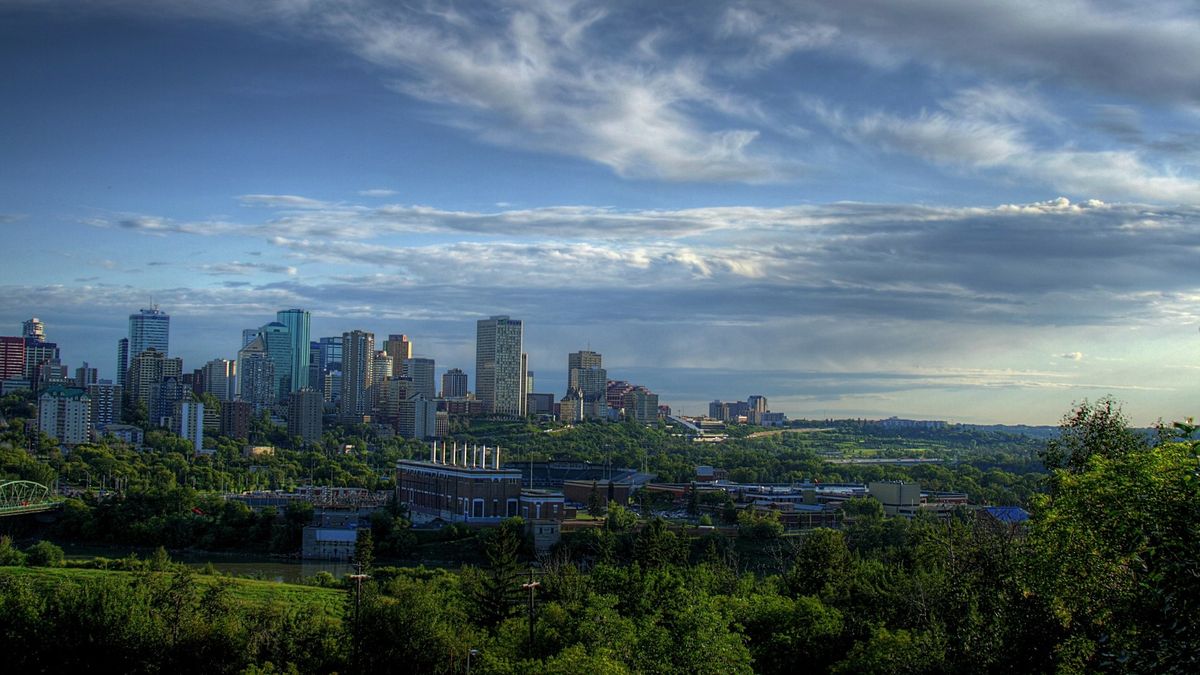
(149,328)
(34,329)
(220,378)
(12,358)
(256,375)
(304,415)
(586,375)
(421,371)
(122,360)
(454,383)
(358,352)
(248,335)
(297,322)
(400,349)
(278,341)
(499,377)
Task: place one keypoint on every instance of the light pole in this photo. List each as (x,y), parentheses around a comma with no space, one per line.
(532,586)
(470,653)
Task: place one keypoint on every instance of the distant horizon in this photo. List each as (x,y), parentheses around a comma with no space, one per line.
(982,212)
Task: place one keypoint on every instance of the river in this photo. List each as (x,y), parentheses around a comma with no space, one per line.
(235,564)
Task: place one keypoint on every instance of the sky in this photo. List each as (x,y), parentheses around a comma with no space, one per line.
(979,212)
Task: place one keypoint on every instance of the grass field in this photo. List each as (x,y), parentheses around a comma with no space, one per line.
(326,601)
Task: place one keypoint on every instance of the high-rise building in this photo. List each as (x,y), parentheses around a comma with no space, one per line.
(421,372)
(65,414)
(86,376)
(399,347)
(278,341)
(235,419)
(248,335)
(38,353)
(304,414)
(12,358)
(329,359)
(147,370)
(220,379)
(316,378)
(586,374)
(122,360)
(582,359)
(106,402)
(499,377)
(416,417)
(297,322)
(149,328)
(33,329)
(382,369)
(187,420)
(358,352)
(641,404)
(256,375)
(454,383)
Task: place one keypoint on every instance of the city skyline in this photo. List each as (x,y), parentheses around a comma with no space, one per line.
(980,213)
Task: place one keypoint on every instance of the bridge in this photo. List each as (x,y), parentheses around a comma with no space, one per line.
(19,497)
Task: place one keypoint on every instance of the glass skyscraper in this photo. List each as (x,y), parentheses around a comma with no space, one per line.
(297,322)
(148,328)
(499,375)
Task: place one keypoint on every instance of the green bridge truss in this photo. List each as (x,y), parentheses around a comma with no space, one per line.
(19,497)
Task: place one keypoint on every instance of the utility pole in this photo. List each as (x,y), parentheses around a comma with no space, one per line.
(532,586)
(358,579)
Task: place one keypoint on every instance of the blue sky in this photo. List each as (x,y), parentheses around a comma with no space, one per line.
(973,211)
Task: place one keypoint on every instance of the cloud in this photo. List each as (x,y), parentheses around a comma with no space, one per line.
(238,268)
(376,192)
(1071,356)
(993,129)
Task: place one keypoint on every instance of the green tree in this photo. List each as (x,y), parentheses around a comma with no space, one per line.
(44,554)
(495,591)
(364,550)
(820,565)
(1091,429)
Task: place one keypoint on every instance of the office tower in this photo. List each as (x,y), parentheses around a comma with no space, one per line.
(48,373)
(122,360)
(499,377)
(297,322)
(278,341)
(417,417)
(256,375)
(149,328)
(586,374)
(304,415)
(147,370)
(382,368)
(85,376)
(106,403)
(12,358)
(757,406)
(316,378)
(526,383)
(421,372)
(248,335)
(187,420)
(33,329)
(164,397)
(329,360)
(333,386)
(582,359)
(220,379)
(65,414)
(38,353)
(358,353)
(454,383)
(400,349)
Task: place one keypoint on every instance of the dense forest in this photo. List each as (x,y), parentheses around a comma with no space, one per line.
(1101,578)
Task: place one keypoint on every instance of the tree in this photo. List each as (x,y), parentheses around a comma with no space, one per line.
(496,590)
(44,554)
(364,549)
(820,565)
(1091,429)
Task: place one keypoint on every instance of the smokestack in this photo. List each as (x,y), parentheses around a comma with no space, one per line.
(497,458)
(433,452)
(484,458)
(454,454)
(443,451)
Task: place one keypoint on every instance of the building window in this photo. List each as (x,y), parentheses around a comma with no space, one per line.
(512,507)
(477,509)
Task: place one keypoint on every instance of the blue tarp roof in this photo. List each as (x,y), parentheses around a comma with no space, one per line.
(1008,514)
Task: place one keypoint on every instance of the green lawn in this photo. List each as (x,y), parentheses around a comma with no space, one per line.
(327,601)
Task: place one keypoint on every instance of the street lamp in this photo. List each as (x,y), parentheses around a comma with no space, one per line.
(358,578)
(470,653)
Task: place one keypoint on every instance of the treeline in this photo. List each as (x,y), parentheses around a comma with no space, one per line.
(1102,579)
